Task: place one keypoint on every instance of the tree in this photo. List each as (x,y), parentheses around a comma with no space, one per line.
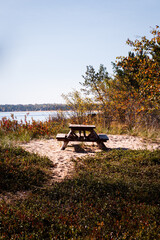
(97,84)
(79,105)
(137,80)
(133,94)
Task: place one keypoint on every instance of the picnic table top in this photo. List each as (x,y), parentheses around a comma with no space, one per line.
(81,127)
(73,136)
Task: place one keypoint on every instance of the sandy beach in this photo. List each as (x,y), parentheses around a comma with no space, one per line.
(63,166)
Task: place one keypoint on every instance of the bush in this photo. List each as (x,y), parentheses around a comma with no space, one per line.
(20,170)
(113,195)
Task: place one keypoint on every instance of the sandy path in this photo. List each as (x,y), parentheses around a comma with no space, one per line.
(63,166)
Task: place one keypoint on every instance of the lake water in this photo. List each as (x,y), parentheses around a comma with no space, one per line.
(36,115)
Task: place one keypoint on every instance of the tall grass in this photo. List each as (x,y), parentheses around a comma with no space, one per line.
(116,127)
(12,130)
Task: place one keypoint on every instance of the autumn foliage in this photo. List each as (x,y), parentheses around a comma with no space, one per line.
(137,82)
(27,130)
(132,95)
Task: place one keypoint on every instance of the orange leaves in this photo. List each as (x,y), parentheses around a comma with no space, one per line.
(137,77)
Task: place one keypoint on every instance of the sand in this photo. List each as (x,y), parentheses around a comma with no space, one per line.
(62,159)
(63,165)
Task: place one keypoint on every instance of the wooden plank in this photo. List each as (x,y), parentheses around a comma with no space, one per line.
(82,140)
(64,145)
(81,127)
(101,145)
(103,137)
(61,136)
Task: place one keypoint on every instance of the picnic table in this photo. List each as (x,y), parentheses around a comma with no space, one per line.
(82,133)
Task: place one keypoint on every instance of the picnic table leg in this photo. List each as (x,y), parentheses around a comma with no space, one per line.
(101,145)
(64,145)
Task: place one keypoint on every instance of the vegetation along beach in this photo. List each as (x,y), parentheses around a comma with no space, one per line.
(83,192)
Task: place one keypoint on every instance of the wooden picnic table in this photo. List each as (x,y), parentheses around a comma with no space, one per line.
(82,133)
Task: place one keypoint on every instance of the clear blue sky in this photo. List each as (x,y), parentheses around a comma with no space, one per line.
(45,45)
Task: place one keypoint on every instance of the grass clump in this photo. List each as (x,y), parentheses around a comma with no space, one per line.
(113,195)
(20,170)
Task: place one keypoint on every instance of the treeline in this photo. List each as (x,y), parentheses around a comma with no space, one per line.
(132,95)
(32,107)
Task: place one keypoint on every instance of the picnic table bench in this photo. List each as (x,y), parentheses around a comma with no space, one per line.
(82,133)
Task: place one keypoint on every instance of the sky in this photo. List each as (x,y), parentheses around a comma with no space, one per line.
(45,45)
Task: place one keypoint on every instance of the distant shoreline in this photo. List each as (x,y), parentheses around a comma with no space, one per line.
(37,111)
(33,107)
